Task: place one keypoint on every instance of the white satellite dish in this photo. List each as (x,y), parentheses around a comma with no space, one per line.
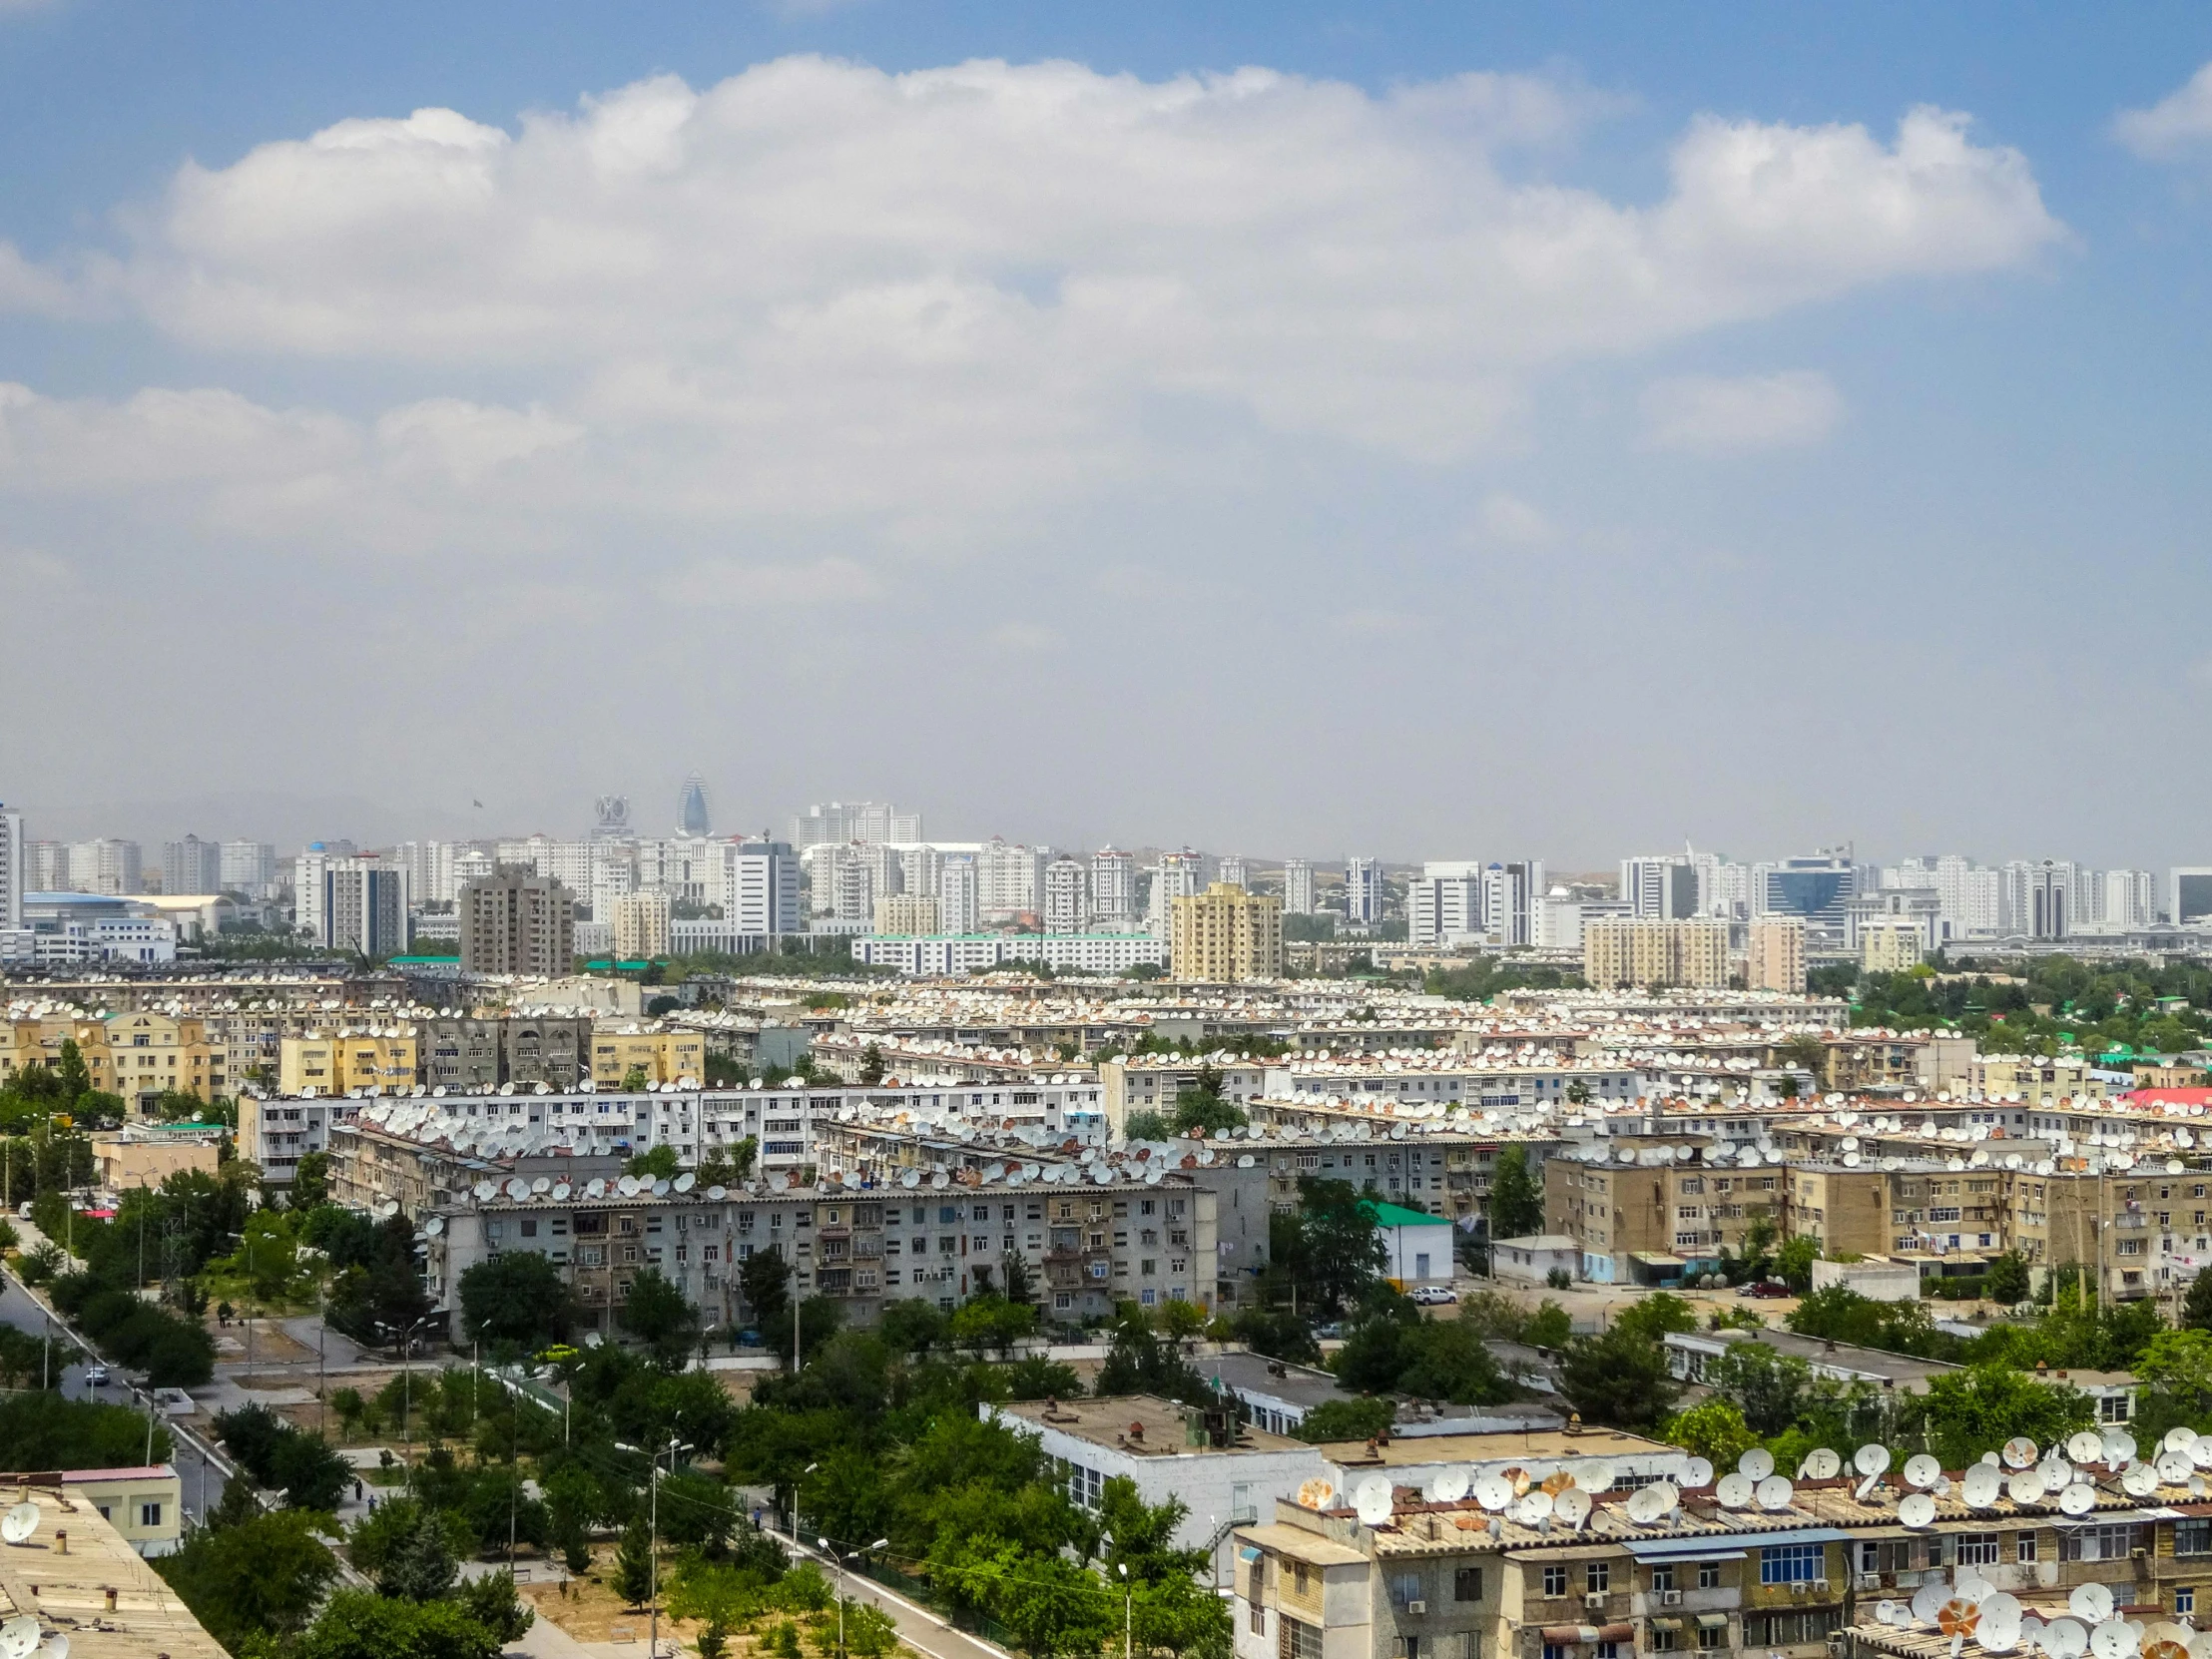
(1572,1506)
(1890,1612)
(660,1189)
(1917,1510)
(1447,1485)
(2119,1446)
(1596,1474)
(1533,1510)
(1922,1470)
(1758,1463)
(2020,1452)
(2090,1603)
(2200,1451)
(562,1190)
(541,1185)
(20,1522)
(1774,1492)
(2000,1630)
(627,1186)
(718,1192)
(2085,1447)
(18,1636)
(2026,1488)
(2174,1468)
(2178,1439)
(2114,1639)
(1928,1599)
(55,1646)
(1736,1491)
(434,1226)
(1493,1493)
(1821,1464)
(2058,1473)
(684,1182)
(1697,1472)
(592,1338)
(1373,1500)
(2139,1479)
(1647,1504)
(1984,1485)
(2065,1639)
(2078,1499)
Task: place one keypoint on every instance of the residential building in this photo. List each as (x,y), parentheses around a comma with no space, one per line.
(460,1052)
(906,914)
(250,869)
(1225,934)
(1364,890)
(661,1054)
(1776,961)
(191,866)
(1066,896)
(759,888)
(1443,904)
(1177,877)
(1113,890)
(2130,899)
(13,852)
(1617,953)
(518,924)
(363,907)
(1510,894)
(142,1054)
(1298,887)
(1232,870)
(1652,1221)
(641,923)
(105,865)
(856,820)
(959,895)
(146,1154)
(946,955)
(2188,893)
(1663,887)
(1888,944)
(339,1062)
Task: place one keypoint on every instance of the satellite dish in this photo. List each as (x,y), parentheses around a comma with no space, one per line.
(2119,1446)
(2090,1603)
(2000,1624)
(1870,1460)
(2166,1641)
(2114,1639)
(1594,1475)
(1697,1472)
(592,1338)
(684,1182)
(562,1190)
(1890,1612)
(660,1189)
(541,1185)
(1315,1494)
(2200,1451)
(1572,1506)
(1757,1463)
(2174,1468)
(1928,1599)
(1372,1499)
(2020,1452)
(2078,1499)
(1493,1493)
(1821,1464)
(55,1646)
(2178,1439)
(2085,1447)
(2058,1473)
(1922,1470)
(627,1186)
(1774,1492)
(1984,1485)
(1533,1510)
(2026,1488)
(1736,1491)
(18,1636)
(1917,1510)
(1647,1504)
(19,1524)
(434,1226)
(1447,1485)
(2065,1639)
(2139,1479)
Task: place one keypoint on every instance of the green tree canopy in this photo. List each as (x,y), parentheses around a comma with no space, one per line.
(253,1578)
(655,1314)
(516,1297)
(358,1625)
(1619,1378)
(1965,1414)
(1516,1208)
(1326,1254)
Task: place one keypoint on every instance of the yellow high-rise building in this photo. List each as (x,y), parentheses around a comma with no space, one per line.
(1621,951)
(1225,934)
(1777,957)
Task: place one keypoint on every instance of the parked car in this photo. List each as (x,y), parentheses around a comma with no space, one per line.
(1431,1295)
(1767,1288)
(96,1376)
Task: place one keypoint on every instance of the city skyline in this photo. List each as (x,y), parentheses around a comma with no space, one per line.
(1839,440)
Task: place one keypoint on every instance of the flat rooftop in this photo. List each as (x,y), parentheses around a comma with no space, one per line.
(146,1619)
(1108,1422)
(1480,1448)
(1901,1368)
(1300,1386)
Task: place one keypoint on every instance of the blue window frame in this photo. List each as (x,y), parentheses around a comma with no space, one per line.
(1791,1564)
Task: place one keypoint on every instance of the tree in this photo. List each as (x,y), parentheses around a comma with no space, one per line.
(258,1576)
(1328,1248)
(1714,1431)
(1619,1378)
(2197,1308)
(2008,1280)
(1347,1419)
(1147,1126)
(765,1277)
(1965,1414)
(992,1321)
(1019,1283)
(872,1065)
(1659,1315)
(1277,1333)
(1203,1111)
(1794,1262)
(1178,1320)
(2178,1364)
(310,1180)
(1764,1385)
(655,1163)
(658,1316)
(419,1563)
(516,1297)
(634,1565)
(1516,1199)
(492,1603)
(358,1625)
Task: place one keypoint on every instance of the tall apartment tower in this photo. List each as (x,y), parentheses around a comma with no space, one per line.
(1225,934)
(960,896)
(1232,869)
(1177,878)
(1362,890)
(13,852)
(513,922)
(250,867)
(191,866)
(1113,890)
(641,927)
(1443,904)
(1664,889)
(363,907)
(1775,962)
(1298,887)
(1510,894)
(1066,896)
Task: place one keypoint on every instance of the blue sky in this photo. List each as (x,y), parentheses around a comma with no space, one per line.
(1648,437)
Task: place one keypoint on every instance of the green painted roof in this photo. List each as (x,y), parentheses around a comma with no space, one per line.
(1397,1214)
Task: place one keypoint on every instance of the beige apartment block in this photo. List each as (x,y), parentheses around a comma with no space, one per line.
(1225,934)
(144,1055)
(906,915)
(1888,944)
(1619,952)
(516,922)
(1653,1218)
(335,1063)
(641,927)
(1776,961)
(2032,1078)
(663,1055)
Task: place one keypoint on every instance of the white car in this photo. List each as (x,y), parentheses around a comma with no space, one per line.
(96,1376)
(1431,1295)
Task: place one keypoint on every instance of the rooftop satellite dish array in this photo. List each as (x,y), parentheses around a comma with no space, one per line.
(1970,1605)
(1563,1496)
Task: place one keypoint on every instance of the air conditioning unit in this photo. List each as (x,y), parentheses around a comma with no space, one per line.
(1670,1598)
(1820,1586)
(1869,1581)
(1596,1600)
(1417,1608)
(1800,1587)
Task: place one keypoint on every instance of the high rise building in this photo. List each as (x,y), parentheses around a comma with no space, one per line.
(2188,893)
(759,888)
(1363,890)
(906,915)
(1510,894)
(1232,869)
(1113,890)
(363,907)
(1443,904)
(1815,890)
(13,854)
(1225,934)
(692,817)
(854,821)
(1642,952)
(1298,887)
(1176,877)
(105,865)
(1067,898)
(1775,962)
(959,903)
(1663,887)
(513,922)
(250,867)
(191,866)
(641,927)
(1011,877)
(2130,899)
(48,869)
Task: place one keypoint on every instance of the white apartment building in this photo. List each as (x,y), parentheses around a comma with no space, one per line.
(105,865)
(361,904)
(854,821)
(949,955)
(1661,887)
(959,895)
(1510,894)
(248,868)
(1010,877)
(1362,890)
(13,852)
(1179,875)
(1298,887)
(1443,904)
(191,866)
(1066,896)
(1232,870)
(1113,890)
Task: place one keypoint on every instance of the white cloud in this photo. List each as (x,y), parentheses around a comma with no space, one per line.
(1703,415)
(2177,124)
(732,584)
(1510,519)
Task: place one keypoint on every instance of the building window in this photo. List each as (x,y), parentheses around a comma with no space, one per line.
(2114,1407)
(1788,1564)
(1466,1584)
(2023,1546)
(1295,1639)
(1710,1637)
(2185,1600)
(2191,1537)
(1406,1589)
(1662,1577)
(1708,1575)
(1597,1577)
(1555,1582)
(149,1514)
(1977,1549)
(1663,1641)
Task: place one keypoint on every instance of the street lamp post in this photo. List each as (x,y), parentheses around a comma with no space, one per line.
(1128,1610)
(837,1555)
(794,1517)
(406,1371)
(652,1546)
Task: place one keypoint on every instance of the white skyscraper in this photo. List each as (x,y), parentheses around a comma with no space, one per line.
(191,866)
(13,852)
(250,867)
(1510,894)
(1232,869)
(1298,887)
(1662,888)
(1443,904)
(960,907)
(1179,875)
(1011,876)
(759,888)
(1066,896)
(2130,899)
(854,821)
(1363,890)
(1113,890)
(105,866)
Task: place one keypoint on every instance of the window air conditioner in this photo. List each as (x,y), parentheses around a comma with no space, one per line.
(1670,1598)
(1869,1581)
(1418,1608)
(1595,1599)
(1820,1586)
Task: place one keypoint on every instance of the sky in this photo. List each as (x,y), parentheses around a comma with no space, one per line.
(1431,432)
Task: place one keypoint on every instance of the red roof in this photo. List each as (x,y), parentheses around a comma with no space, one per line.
(2169,1097)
